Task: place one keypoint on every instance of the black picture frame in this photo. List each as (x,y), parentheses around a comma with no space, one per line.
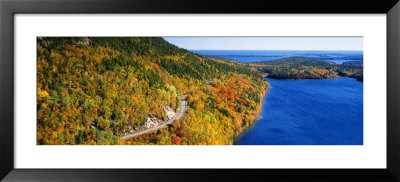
(9,8)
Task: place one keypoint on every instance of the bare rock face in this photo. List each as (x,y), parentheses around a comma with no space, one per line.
(170,112)
(84,41)
(152,122)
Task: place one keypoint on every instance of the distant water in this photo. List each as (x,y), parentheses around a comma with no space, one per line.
(268,55)
(309,112)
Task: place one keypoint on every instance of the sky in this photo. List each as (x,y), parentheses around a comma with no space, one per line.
(267,43)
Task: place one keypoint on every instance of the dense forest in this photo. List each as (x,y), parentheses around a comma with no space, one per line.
(353,69)
(309,68)
(94,90)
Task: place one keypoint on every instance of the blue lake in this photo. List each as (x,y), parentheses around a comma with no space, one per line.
(309,112)
(304,112)
(268,55)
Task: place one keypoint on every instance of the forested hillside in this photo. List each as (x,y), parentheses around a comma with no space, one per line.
(93,90)
(352,69)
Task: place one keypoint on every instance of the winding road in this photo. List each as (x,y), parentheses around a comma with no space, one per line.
(179,116)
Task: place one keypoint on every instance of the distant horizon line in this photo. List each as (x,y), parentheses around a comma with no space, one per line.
(264,50)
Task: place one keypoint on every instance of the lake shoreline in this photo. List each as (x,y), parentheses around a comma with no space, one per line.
(258,115)
(314,79)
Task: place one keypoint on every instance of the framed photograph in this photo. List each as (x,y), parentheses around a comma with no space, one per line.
(129,90)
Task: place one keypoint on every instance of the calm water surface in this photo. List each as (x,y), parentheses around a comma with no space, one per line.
(309,112)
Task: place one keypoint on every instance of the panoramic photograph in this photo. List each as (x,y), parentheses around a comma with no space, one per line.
(199,91)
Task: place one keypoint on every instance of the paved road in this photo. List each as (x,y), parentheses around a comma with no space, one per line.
(179,116)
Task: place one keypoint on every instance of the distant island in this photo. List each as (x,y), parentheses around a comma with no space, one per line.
(145,90)
(309,68)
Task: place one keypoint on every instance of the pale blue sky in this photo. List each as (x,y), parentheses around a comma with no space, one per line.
(267,43)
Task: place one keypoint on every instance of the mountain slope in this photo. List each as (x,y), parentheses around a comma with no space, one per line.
(93,90)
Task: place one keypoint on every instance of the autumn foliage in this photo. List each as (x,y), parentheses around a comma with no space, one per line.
(95,90)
